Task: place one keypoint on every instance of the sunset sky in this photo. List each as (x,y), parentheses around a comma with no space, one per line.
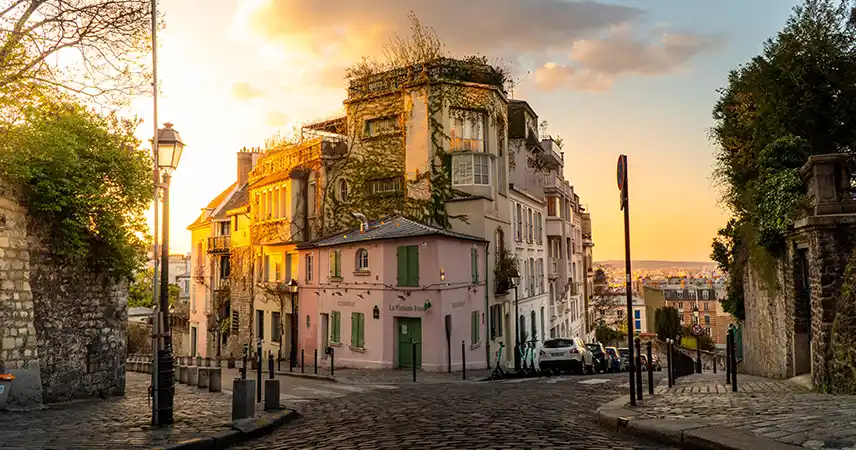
(624,76)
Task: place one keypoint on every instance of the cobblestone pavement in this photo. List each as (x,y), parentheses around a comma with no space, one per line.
(116,423)
(770,409)
(557,412)
(400,376)
(295,390)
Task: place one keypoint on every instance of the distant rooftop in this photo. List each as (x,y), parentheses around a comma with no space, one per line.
(392,228)
(441,68)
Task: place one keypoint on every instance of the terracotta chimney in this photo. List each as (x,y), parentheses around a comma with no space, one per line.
(245,165)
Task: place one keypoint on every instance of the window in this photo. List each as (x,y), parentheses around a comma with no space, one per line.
(236,223)
(531,276)
(266,276)
(542,319)
(275,326)
(276,271)
(531,222)
(225,268)
(522,327)
(358,330)
(638,325)
(260,324)
(680,295)
(474,262)
(343,191)
(408,266)
(539,228)
(260,269)
(289,274)
(637,314)
(379,126)
(551,206)
(518,225)
(386,185)
(541,277)
(336,264)
(335,328)
(534,326)
(471,169)
(467,131)
(313,187)
(235,322)
(362,259)
(495,321)
(474,327)
(707,320)
(308,267)
(705,304)
(705,295)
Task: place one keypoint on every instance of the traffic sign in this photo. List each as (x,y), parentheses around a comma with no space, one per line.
(622,171)
(697,330)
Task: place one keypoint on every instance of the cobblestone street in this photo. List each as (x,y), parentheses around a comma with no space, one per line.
(116,423)
(770,409)
(557,412)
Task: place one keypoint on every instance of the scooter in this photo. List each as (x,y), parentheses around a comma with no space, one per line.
(498,373)
(528,352)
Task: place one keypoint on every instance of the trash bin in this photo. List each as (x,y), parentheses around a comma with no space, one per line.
(5,385)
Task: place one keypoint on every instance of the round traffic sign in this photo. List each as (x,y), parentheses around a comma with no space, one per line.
(622,171)
(697,329)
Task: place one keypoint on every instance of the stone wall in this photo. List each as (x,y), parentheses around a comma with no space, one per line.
(766,341)
(62,328)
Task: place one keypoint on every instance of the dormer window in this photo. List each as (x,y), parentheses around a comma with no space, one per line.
(385,185)
(467,131)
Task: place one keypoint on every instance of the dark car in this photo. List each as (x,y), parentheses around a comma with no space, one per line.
(615,361)
(600,358)
(625,357)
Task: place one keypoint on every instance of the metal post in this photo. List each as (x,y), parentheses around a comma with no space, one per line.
(166,371)
(302,359)
(259,374)
(244,367)
(714,361)
(698,352)
(332,361)
(316,361)
(516,332)
(727,356)
(669,361)
(413,358)
(733,360)
(650,370)
(638,369)
(624,185)
(293,351)
(270,365)
(463,361)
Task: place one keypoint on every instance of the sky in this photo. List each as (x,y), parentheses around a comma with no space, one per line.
(609,77)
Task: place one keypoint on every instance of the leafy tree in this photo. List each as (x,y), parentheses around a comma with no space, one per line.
(140,290)
(667,322)
(607,335)
(793,100)
(85,181)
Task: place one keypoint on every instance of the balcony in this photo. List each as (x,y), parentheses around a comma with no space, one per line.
(554,268)
(219,244)
(555,226)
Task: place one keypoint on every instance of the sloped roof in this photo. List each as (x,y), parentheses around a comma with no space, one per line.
(391,228)
(213,205)
(240,198)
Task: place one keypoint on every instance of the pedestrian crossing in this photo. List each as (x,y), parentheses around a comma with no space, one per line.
(303,394)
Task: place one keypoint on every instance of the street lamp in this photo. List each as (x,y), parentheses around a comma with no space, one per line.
(292,287)
(168,149)
(515,281)
(697,340)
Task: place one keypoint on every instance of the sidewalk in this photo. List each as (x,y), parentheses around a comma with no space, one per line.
(701,411)
(125,422)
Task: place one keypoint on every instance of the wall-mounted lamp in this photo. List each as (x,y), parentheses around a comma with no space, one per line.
(427,305)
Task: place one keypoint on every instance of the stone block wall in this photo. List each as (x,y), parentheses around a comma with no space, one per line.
(766,339)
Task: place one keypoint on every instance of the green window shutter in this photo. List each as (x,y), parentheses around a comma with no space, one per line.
(338,263)
(355,331)
(413,265)
(474,259)
(332,264)
(336,324)
(402,266)
(474,327)
(361,322)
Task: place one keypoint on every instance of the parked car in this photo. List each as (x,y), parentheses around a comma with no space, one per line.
(565,354)
(616,361)
(625,357)
(600,357)
(656,362)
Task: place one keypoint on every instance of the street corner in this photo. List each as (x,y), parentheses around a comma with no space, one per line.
(265,424)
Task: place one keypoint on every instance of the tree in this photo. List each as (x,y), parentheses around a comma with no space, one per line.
(667,322)
(105,41)
(604,301)
(793,100)
(140,290)
(608,336)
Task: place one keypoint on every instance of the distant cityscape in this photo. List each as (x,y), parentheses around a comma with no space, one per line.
(659,270)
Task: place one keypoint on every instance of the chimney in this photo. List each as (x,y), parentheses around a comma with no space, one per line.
(364,222)
(245,165)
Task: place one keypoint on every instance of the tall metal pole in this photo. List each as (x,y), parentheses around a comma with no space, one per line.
(625,201)
(156,179)
(516,331)
(166,378)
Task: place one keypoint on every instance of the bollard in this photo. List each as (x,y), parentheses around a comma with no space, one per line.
(638,344)
(204,374)
(192,373)
(215,376)
(244,366)
(302,359)
(728,357)
(270,368)
(259,372)
(180,368)
(243,406)
(291,362)
(271,393)
(413,358)
(714,361)
(733,361)
(316,361)
(650,370)
(279,360)
(332,361)
(669,361)
(464,361)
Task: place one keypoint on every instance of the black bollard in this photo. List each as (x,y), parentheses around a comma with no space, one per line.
(464,361)
(413,359)
(669,361)
(302,359)
(316,361)
(259,375)
(291,361)
(279,360)
(270,365)
(733,361)
(650,370)
(728,357)
(244,367)
(638,369)
(714,360)
(332,361)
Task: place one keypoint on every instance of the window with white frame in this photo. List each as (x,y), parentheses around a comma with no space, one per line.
(531,276)
(379,126)
(531,225)
(308,267)
(343,191)
(471,169)
(518,224)
(362,259)
(539,228)
(467,131)
(386,185)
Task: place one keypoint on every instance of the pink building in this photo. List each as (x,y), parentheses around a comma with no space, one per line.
(371,292)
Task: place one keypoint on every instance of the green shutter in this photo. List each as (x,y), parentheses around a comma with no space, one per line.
(355,331)
(336,324)
(413,265)
(338,263)
(402,266)
(474,257)
(474,330)
(361,325)
(332,264)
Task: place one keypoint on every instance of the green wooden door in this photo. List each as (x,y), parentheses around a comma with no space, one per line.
(409,330)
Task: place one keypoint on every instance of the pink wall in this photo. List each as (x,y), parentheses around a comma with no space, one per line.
(456,295)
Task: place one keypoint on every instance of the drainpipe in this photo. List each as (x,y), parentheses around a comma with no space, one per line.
(487,303)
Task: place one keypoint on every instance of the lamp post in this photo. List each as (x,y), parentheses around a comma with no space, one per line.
(515,280)
(168,151)
(697,340)
(292,354)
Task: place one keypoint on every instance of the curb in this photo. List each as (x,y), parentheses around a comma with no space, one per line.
(242,430)
(310,376)
(683,434)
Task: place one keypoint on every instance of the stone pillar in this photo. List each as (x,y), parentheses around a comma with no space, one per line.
(243,399)
(179,368)
(271,394)
(204,373)
(193,373)
(215,376)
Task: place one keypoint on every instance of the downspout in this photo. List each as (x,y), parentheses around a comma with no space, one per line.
(487,319)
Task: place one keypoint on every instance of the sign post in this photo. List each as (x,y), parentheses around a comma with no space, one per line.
(625,205)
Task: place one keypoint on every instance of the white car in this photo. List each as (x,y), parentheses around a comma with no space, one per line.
(565,354)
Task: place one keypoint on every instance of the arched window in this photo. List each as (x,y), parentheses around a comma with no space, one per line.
(343,191)
(362,262)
